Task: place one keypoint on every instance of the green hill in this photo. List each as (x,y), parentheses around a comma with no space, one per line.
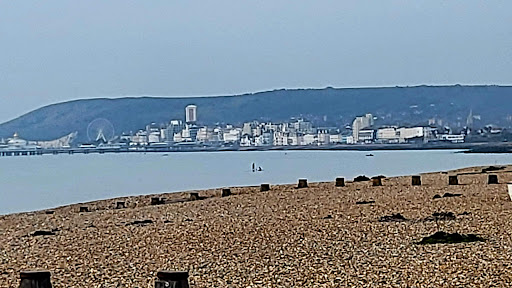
(393,105)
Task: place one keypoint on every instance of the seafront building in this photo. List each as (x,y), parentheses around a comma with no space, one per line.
(295,132)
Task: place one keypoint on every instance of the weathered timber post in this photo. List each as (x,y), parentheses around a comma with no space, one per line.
(416,180)
(377,181)
(340,182)
(84,209)
(120,205)
(157,201)
(193,196)
(264,187)
(303,183)
(35,279)
(172,279)
(453,180)
(225,192)
(493,179)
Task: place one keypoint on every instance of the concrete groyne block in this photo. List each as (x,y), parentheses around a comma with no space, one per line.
(303,183)
(340,182)
(264,187)
(416,180)
(492,179)
(175,279)
(35,279)
(453,180)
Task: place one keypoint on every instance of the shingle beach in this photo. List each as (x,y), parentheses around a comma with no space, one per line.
(320,236)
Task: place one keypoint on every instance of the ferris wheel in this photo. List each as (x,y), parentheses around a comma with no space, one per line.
(100,130)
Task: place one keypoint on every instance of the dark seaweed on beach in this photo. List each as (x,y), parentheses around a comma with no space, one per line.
(441,237)
(361,178)
(365,202)
(393,218)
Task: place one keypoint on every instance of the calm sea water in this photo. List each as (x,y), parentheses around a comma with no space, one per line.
(39,182)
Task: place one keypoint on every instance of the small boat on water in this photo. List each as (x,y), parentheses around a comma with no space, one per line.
(369,155)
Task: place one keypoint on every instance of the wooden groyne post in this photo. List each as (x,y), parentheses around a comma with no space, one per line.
(172,279)
(264,187)
(492,179)
(35,279)
(193,196)
(157,201)
(416,180)
(225,192)
(303,183)
(453,180)
(340,182)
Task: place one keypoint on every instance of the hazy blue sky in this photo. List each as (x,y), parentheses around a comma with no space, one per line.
(51,51)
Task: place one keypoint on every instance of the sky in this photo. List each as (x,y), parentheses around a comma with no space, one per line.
(54,51)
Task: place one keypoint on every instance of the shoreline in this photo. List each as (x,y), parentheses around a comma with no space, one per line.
(323,235)
(183,195)
(484,147)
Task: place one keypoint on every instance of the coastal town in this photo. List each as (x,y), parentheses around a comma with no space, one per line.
(189,134)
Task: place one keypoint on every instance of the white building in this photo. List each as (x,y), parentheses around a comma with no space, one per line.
(360,123)
(388,135)
(154,137)
(335,139)
(191,113)
(309,139)
(366,135)
(232,135)
(408,133)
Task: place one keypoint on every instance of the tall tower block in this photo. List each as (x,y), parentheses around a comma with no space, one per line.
(191,114)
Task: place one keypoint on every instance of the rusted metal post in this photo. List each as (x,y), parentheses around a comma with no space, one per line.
(84,209)
(120,205)
(416,180)
(340,182)
(493,179)
(303,183)
(35,279)
(377,181)
(225,192)
(264,187)
(453,180)
(172,279)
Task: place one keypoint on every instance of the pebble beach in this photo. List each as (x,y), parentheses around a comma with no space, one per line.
(319,236)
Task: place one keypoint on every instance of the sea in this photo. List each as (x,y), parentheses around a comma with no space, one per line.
(29,183)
